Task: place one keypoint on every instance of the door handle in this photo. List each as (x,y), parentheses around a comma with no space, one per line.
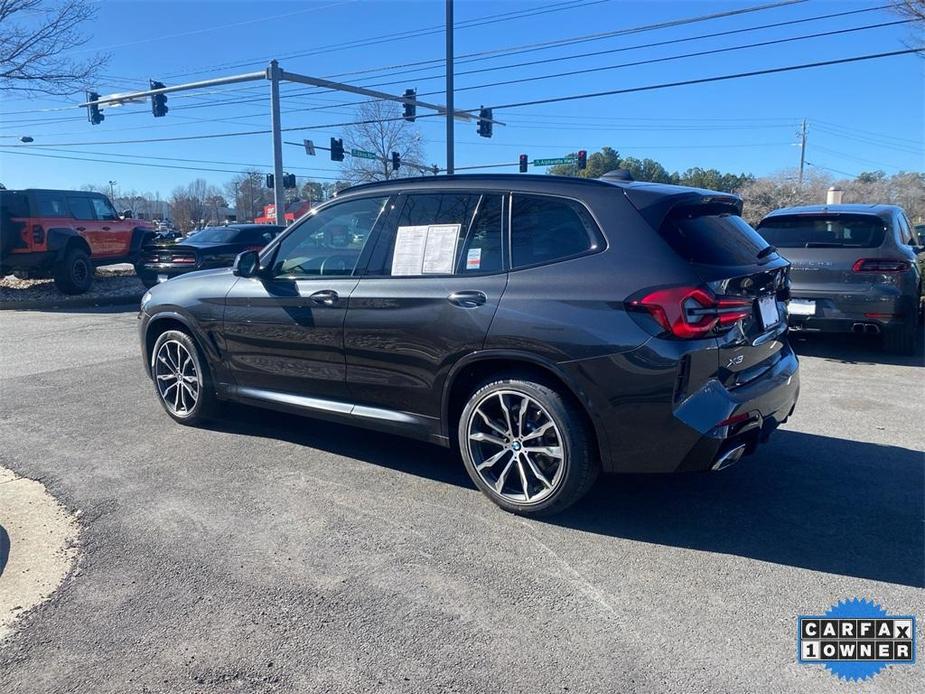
(81,228)
(325,297)
(105,228)
(467,299)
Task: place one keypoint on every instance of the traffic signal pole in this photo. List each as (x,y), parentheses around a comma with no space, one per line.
(279,194)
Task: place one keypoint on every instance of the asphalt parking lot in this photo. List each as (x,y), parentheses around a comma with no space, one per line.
(273,553)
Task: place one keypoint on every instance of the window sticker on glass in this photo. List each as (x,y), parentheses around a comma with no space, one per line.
(474,259)
(440,249)
(425,250)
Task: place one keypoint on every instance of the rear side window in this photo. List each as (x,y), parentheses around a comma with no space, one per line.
(823,231)
(546,229)
(13,204)
(81,208)
(52,205)
(713,239)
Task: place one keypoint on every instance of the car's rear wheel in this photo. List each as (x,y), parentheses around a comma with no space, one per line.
(148,279)
(903,339)
(181,378)
(74,273)
(527,447)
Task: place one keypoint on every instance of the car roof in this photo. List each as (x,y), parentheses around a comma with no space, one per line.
(244,226)
(55,190)
(523,182)
(880,210)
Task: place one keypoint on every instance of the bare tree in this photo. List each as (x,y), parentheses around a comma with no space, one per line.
(36,40)
(915,11)
(196,204)
(382,130)
(249,191)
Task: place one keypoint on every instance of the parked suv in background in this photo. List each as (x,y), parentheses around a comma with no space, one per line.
(65,234)
(207,248)
(855,270)
(546,327)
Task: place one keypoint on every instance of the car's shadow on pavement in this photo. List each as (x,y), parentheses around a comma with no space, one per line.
(813,502)
(852,349)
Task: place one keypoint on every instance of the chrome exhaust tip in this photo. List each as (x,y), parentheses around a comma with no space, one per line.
(728,458)
(872,329)
(858,328)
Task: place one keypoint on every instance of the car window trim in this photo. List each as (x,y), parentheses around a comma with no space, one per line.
(599,234)
(441,191)
(362,259)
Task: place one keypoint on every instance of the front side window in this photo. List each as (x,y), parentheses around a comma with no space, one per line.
(546,229)
(104,210)
(81,208)
(328,243)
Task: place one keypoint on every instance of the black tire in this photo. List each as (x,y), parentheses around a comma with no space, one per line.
(903,339)
(579,458)
(74,273)
(148,279)
(206,404)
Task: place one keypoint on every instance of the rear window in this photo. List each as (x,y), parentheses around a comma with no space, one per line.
(13,204)
(823,231)
(713,239)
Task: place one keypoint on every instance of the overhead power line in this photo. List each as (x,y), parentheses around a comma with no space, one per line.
(520,104)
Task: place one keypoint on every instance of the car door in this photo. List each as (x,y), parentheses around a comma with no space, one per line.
(86,224)
(430,291)
(115,236)
(283,329)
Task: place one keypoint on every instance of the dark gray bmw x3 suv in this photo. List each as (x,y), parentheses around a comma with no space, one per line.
(855,270)
(547,328)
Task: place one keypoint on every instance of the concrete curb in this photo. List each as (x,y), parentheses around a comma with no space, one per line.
(77,302)
(41,545)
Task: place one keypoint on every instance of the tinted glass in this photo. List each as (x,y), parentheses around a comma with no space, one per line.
(81,208)
(905,231)
(329,241)
(214,235)
(713,239)
(426,236)
(256,235)
(481,251)
(823,231)
(104,209)
(545,229)
(52,205)
(13,204)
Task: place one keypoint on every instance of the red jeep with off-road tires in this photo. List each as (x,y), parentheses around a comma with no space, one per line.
(65,234)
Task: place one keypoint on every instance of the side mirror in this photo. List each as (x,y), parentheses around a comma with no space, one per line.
(247,264)
(128,214)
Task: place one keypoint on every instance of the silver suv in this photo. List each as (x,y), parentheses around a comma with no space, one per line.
(855,269)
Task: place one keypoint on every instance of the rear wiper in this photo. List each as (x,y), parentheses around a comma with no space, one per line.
(766,251)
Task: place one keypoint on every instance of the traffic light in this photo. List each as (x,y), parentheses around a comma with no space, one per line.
(289,181)
(94,115)
(523,163)
(410,105)
(337,149)
(485,122)
(270,181)
(582,159)
(158,101)
(396,161)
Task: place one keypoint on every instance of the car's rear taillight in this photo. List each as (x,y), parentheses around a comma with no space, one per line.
(38,234)
(691,312)
(879,265)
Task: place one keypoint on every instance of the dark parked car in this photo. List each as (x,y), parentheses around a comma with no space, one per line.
(545,327)
(855,270)
(207,248)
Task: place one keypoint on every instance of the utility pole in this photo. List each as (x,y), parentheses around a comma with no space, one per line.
(279,195)
(112,191)
(450,154)
(802,150)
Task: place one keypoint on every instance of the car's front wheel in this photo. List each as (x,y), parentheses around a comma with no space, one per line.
(527,446)
(181,378)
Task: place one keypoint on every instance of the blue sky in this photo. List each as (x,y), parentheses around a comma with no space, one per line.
(862,116)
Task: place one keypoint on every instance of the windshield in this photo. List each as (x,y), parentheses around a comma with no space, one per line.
(214,235)
(823,231)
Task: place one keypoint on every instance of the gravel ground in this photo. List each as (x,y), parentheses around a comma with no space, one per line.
(277,554)
(109,283)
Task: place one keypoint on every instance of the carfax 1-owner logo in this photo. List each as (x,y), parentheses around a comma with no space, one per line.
(856,639)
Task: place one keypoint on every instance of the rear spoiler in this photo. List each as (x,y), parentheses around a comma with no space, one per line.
(655,206)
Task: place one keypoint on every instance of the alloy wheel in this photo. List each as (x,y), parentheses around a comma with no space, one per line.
(516,447)
(177,378)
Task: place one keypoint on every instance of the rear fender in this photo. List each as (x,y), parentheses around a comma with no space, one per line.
(62,239)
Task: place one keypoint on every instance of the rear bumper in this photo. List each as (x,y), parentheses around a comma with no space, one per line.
(839,312)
